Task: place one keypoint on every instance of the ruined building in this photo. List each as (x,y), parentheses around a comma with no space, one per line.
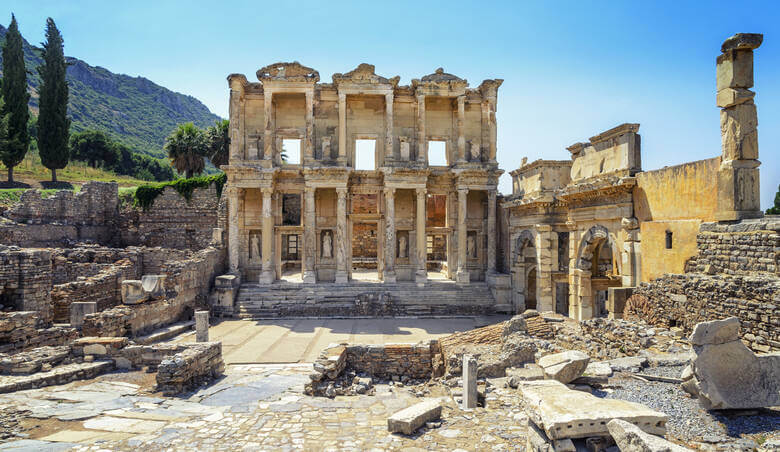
(576,231)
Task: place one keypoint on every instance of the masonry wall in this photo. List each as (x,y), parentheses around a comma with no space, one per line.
(26,280)
(385,361)
(675,199)
(735,273)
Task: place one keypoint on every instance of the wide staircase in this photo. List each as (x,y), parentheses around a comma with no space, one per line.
(364,299)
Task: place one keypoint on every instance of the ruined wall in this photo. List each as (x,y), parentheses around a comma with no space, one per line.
(172,221)
(69,264)
(386,361)
(676,199)
(26,280)
(735,273)
(23,330)
(187,285)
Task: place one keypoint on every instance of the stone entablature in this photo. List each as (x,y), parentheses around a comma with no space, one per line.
(288,103)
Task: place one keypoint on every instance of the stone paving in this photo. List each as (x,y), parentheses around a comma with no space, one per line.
(254,407)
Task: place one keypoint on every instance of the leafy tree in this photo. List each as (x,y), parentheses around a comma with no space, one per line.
(53,121)
(94,147)
(218,142)
(186,147)
(775,210)
(15,95)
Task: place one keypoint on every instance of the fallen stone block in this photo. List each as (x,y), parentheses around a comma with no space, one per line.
(133,292)
(154,285)
(631,438)
(564,413)
(628,364)
(514,325)
(725,374)
(410,419)
(516,376)
(564,367)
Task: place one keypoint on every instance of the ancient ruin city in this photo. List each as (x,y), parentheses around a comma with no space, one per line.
(359,261)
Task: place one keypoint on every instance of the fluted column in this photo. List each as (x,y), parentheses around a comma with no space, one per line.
(268,274)
(422,139)
(268,137)
(422,271)
(233,238)
(308,143)
(309,238)
(342,158)
(389,274)
(463,275)
(461,132)
(491,233)
(389,127)
(341,235)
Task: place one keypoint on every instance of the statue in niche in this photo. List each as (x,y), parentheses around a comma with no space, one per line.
(255,247)
(403,252)
(471,246)
(405,154)
(474,151)
(327,245)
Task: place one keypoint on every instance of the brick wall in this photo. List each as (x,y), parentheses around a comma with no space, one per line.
(385,361)
(26,280)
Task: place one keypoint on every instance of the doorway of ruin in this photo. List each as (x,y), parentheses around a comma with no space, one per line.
(530,289)
(289,239)
(365,251)
(436,234)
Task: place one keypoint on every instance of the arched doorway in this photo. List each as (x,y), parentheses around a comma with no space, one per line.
(598,269)
(523,262)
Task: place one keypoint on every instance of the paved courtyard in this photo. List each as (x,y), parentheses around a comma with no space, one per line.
(301,340)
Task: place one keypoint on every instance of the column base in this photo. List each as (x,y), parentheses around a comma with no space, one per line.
(463,277)
(389,277)
(267,277)
(342,277)
(309,277)
(421,278)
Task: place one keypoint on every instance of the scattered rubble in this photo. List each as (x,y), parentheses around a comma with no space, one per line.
(630,438)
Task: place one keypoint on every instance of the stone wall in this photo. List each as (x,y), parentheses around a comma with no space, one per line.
(69,264)
(386,361)
(735,274)
(190,367)
(22,330)
(26,280)
(187,284)
(172,221)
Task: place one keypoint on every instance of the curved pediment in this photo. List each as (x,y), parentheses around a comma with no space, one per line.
(365,74)
(290,72)
(441,76)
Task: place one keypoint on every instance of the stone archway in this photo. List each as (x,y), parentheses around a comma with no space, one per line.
(524,258)
(597,267)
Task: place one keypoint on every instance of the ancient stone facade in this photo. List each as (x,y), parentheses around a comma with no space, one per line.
(344,205)
(571,230)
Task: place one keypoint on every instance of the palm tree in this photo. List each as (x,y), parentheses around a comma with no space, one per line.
(186,148)
(218,142)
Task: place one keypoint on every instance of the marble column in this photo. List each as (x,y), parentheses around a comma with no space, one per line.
(341,235)
(461,129)
(268,137)
(389,127)
(422,271)
(422,139)
(233,238)
(342,158)
(491,233)
(485,123)
(236,112)
(463,275)
(492,131)
(544,268)
(309,238)
(268,275)
(389,273)
(308,142)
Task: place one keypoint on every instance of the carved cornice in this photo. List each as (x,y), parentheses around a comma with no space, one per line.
(288,72)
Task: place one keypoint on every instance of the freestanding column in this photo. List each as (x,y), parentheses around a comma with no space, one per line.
(461,131)
(491,233)
(342,159)
(469,382)
(738,180)
(233,239)
(389,127)
(268,138)
(422,140)
(268,275)
(493,135)
(389,275)
(341,235)
(308,145)
(309,238)
(201,326)
(236,112)
(463,275)
(422,271)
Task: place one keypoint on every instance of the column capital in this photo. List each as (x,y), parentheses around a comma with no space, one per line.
(267,191)
(421,191)
(341,191)
(389,191)
(461,99)
(342,97)
(463,190)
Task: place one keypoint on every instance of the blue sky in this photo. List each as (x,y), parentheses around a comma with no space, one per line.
(570,69)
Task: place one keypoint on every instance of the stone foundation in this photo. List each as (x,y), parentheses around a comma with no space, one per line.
(386,361)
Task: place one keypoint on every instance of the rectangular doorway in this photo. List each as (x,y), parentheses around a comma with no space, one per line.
(365,263)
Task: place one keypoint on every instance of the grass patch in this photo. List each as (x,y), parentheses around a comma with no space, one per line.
(146,194)
(31,169)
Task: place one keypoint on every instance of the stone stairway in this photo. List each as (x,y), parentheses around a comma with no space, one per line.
(364,299)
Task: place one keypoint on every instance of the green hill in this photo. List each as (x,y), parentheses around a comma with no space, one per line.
(133,110)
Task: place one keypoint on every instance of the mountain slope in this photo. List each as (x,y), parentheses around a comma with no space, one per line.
(134,110)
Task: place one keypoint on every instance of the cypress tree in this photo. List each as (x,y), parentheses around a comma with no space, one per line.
(15,95)
(53,122)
